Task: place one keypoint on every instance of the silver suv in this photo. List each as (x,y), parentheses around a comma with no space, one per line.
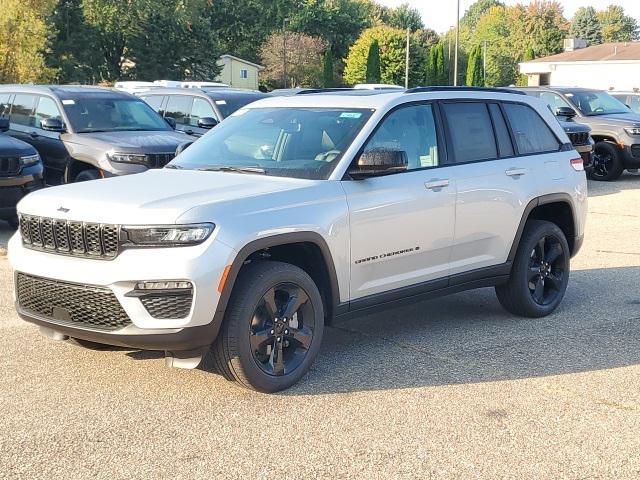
(299,210)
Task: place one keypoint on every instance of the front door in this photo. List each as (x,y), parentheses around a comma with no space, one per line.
(49,144)
(402,225)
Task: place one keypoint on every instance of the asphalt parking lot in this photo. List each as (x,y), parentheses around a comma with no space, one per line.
(452,388)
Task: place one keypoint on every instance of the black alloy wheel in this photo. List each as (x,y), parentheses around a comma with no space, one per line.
(546,270)
(280,337)
(607,164)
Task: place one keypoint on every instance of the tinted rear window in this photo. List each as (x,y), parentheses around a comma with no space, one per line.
(532,134)
(230,104)
(471,131)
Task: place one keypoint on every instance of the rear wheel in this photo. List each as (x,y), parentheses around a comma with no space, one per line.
(540,272)
(272,329)
(86,175)
(607,164)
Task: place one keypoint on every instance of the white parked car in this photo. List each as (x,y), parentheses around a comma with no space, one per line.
(298,210)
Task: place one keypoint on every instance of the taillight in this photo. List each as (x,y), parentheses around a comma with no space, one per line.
(577,164)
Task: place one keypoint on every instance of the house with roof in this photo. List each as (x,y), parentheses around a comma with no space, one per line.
(608,66)
(238,72)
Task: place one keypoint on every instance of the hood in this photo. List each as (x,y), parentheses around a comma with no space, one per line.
(164,141)
(10,146)
(570,126)
(623,119)
(152,197)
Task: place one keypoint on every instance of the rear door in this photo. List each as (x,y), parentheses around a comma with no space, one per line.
(402,224)
(498,152)
(49,144)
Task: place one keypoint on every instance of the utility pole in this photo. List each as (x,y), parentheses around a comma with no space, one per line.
(284,50)
(449,56)
(406,63)
(455,65)
(484,64)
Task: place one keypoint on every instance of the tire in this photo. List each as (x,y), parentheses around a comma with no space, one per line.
(246,350)
(86,175)
(607,163)
(521,295)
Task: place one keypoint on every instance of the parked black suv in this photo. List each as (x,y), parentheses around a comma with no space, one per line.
(20,172)
(614,127)
(194,110)
(85,133)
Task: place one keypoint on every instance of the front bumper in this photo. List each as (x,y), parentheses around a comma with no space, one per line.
(202,265)
(631,155)
(13,189)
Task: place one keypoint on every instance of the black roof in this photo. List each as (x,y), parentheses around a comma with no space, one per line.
(67,91)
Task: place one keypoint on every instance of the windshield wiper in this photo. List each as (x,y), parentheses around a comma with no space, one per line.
(171,165)
(233,169)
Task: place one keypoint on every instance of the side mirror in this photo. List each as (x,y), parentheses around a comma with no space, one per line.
(378,162)
(4,124)
(182,147)
(52,125)
(171,122)
(207,122)
(565,112)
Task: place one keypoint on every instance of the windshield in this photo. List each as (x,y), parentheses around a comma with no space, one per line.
(593,103)
(111,114)
(288,142)
(230,105)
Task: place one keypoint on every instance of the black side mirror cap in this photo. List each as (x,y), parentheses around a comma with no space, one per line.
(565,112)
(171,122)
(52,125)
(182,147)
(4,124)
(207,122)
(378,162)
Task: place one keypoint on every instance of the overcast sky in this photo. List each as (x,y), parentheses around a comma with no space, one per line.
(441,14)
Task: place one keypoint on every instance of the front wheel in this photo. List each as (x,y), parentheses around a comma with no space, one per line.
(607,162)
(272,328)
(540,271)
(86,175)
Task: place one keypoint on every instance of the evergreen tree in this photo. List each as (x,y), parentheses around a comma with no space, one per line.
(586,25)
(373,63)
(475,74)
(327,68)
(436,73)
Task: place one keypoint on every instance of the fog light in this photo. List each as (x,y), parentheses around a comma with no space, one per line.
(168,285)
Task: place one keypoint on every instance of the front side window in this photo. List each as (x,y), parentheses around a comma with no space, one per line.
(4,104)
(46,108)
(200,109)
(634,103)
(554,101)
(233,103)
(411,130)
(532,134)
(288,142)
(178,108)
(593,103)
(471,131)
(100,113)
(22,109)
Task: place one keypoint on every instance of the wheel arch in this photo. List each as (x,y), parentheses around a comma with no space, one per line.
(306,250)
(557,208)
(604,138)
(74,167)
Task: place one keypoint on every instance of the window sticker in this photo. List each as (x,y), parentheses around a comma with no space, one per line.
(221,102)
(350,115)
(68,102)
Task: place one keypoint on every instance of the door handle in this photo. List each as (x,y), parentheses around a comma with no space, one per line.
(34,134)
(435,184)
(515,172)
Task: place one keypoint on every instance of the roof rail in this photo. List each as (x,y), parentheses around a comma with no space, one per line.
(463,89)
(306,91)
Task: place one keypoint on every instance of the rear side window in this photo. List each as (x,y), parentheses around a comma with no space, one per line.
(154,101)
(178,108)
(532,134)
(22,110)
(505,146)
(471,131)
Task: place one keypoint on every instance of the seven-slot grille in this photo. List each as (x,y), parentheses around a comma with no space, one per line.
(9,165)
(579,138)
(159,160)
(80,305)
(70,238)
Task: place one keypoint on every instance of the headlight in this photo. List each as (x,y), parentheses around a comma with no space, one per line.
(139,159)
(29,160)
(167,235)
(633,131)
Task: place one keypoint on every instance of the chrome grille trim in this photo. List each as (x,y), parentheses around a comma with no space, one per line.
(82,239)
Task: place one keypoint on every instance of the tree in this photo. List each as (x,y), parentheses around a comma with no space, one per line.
(404,17)
(392,43)
(617,26)
(475,74)
(24,40)
(540,25)
(586,25)
(373,63)
(436,73)
(304,57)
(495,30)
(474,12)
(327,69)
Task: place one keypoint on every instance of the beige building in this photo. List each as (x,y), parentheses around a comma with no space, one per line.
(239,73)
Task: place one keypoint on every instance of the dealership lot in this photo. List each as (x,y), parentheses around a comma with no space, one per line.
(453,388)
